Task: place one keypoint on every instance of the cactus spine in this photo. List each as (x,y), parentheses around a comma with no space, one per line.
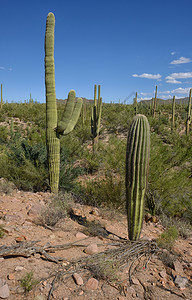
(137,163)
(173,112)
(70,115)
(188,114)
(96,117)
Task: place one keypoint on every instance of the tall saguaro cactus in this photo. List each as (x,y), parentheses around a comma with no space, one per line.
(173,112)
(137,164)
(96,117)
(188,122)
(155,102)
(70,115)
(1,95)
(135,104)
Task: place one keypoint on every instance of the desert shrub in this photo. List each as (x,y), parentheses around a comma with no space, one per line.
(57,209)
(168,237)
(2,231)
(106,192)
(28,282)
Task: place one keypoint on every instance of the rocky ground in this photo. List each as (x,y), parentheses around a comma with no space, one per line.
(168,274)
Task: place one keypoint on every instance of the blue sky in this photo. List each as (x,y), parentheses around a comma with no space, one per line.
(125,46)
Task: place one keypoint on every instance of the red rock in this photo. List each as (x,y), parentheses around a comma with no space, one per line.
(91,249)
(11,276)
(163,274)
(21,238)
(92,284)
(178,267)
(80,235)
(78,279)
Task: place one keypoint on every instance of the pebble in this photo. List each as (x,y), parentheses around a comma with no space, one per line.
(163,274)
(135,281)
(91,249)
(92,284)
(11,276)
(19,268)
(80,235)
(4,289)
(178,267)
(181,281)
(78,279)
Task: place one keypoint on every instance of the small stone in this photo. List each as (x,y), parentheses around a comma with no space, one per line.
(80,235)
(81,293)
(155,270)
(19,268)
(4,289)
(171,283)
(20,239)
(1,259)
(178,267)
(11,276)
(181,281)
(39,297)
(135,281)
(78,279)
(163,274)
(52,236)
(91,249)
(92,284)
(95,212)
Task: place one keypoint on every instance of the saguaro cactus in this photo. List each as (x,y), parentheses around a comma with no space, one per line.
(173,112)
(155,102)
(137,163)
(188,122)
(96,117)
(135,104)
(1,95)
(71,112)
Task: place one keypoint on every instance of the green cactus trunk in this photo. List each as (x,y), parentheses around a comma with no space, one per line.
(53,143)
(96,118)
(137,164)
(188,122)
(135,104)
(173,113)
(155,103)
(1,95)
(71,113)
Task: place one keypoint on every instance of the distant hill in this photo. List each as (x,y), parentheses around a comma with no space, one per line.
(183,101)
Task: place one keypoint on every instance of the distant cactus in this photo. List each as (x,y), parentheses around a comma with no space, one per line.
(135,104)
(137,164)
(173,112)
(188,122)
(96,117)
(70,115)
(1,95)
(155,103)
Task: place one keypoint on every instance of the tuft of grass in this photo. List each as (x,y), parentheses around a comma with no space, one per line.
(2,232)
(168,237)
(57,209)
(28,282)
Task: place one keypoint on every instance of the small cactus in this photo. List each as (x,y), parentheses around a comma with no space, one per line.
(71,113)
(137,164)
(135,104)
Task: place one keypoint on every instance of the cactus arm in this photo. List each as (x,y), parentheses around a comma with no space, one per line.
(75,116)
(137,162)
(69,107)
(53,143)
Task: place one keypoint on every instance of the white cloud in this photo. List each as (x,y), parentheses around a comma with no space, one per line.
(2,68)
(148,76)
(181,60)
(173,52)
(174,76)
(181,91)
